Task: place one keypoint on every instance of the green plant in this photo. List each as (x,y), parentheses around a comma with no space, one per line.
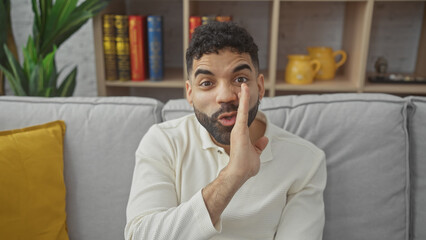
(54,22)
(6,37)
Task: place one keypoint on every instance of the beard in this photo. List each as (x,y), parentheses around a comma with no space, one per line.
(222,134)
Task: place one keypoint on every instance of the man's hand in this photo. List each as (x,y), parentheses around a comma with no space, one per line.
(244,156)
(244,162)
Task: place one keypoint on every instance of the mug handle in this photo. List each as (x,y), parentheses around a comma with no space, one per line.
(316,64)
(343,60)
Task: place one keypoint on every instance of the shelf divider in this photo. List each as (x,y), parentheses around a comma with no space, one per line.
(421,54)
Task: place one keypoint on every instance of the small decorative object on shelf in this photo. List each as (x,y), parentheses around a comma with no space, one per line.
(396,78)
(381,75)
(327,58)
(301,69)
(381,65)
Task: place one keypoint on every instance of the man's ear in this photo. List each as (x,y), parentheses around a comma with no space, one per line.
(188,88)
(261,86)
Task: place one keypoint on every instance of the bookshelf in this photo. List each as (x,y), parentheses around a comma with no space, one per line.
(367,29)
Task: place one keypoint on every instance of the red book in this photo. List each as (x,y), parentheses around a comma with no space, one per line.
(194,21)
(138,49)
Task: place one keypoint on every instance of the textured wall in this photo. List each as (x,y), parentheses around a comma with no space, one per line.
(395,35)
(395,32)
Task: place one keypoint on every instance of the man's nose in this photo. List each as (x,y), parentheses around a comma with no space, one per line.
(227,93)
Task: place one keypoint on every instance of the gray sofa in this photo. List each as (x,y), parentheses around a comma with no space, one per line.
(375,146)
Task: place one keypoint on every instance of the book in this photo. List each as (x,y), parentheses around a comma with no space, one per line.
(194,22)
(121,24)
(223,18)
(109,45)
(138,48)
(208,19)
(155,47)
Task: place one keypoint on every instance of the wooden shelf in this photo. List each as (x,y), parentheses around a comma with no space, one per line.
(323,0)
(395,88)
(173,78)
(277,38)
(340,84)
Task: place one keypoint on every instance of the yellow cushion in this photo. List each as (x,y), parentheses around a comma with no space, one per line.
(32,188)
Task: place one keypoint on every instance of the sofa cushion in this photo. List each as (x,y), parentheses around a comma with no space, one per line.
(366,142)
(417,129)
(176,108)
(100,143)
(32,189)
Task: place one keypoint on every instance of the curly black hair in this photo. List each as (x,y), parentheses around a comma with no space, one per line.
(215,36)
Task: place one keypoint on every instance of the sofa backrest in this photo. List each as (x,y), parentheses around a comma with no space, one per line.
(417,129)
(366,142)
(101,138)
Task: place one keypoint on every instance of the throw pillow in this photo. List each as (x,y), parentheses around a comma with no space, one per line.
(32,188)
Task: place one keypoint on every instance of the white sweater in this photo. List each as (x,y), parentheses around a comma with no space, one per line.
(176,159)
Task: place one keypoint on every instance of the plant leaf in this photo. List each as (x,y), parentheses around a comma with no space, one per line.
(49,67)
(68,85)
(70,22)
(39,80)
(48,92)
(5,27)
(93,6)
(37,25)
(77,22)
(16,69)
(30,57)
(33,90)
(52,77)
(14,83)
(56,20)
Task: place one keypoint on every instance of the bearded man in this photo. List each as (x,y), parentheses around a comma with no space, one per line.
(225,172)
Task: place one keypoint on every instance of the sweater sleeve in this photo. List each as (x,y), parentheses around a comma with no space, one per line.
(303,216)
(153,211)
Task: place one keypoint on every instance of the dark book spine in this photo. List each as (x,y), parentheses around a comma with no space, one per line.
(155,47)
(122,45)
(110,53)
(208,19)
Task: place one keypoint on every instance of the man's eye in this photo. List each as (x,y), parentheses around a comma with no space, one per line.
(206,84)
(241,80)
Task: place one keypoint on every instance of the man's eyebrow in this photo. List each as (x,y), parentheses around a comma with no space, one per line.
(241,67)
(202,71)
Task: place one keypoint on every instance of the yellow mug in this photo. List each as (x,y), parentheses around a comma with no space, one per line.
(301,69)
(327,58)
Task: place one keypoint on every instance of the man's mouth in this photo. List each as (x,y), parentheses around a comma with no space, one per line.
(228,119)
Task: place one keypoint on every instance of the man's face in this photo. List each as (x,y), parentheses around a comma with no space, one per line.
(213,88)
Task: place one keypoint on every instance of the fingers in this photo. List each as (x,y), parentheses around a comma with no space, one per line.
(261,144)
(243,107)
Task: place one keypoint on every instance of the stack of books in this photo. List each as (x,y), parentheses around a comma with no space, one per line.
(133,47)
(195,21)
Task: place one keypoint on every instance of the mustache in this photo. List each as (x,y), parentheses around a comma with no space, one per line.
(224,108)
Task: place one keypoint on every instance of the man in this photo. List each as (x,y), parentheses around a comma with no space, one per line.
(225,172)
